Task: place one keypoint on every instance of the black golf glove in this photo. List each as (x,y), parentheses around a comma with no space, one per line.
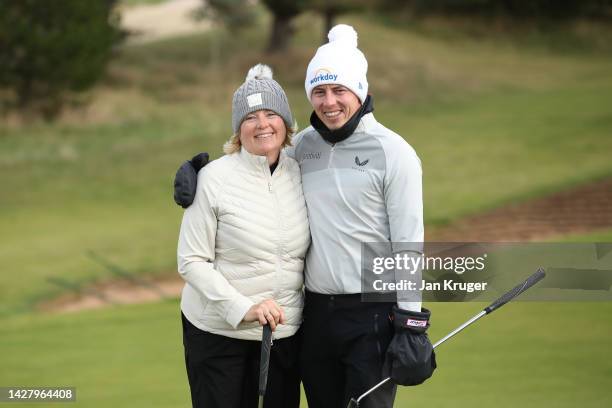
(186,179)
(410,357)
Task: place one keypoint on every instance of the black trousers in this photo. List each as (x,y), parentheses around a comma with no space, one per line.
(224,372)
(343,347)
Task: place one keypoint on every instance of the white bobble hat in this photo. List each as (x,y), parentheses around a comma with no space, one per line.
(339,62)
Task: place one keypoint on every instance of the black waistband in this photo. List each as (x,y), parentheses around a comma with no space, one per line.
(343,300)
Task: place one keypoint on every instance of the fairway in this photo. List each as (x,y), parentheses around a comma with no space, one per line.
(526,354)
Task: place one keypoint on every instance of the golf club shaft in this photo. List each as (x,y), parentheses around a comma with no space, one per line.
(458,329)
(508,296)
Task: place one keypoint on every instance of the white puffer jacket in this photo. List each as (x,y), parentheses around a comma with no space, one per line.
(243,240)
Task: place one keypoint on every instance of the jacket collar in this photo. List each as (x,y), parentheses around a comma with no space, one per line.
(367,123)
(254,161)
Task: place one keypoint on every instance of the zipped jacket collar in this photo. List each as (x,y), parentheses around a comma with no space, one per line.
(256,162)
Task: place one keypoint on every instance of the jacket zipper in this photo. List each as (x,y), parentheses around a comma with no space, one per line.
(278,229)
(331,153)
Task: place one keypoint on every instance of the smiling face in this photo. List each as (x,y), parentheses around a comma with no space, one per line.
(334,104)
(262,133)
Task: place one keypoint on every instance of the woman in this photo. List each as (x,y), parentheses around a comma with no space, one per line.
(241,252)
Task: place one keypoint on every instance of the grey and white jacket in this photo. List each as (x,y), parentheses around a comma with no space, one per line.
(366,188)
(244,240)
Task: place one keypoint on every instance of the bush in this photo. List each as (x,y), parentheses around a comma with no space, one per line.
(50,49)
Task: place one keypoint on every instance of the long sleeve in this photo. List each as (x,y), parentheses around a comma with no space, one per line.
(404,202)
(196,253)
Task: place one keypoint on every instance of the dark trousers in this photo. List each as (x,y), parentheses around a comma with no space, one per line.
(224,372)
(343,346)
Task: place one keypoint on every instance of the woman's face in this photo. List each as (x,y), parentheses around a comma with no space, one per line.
(262,133)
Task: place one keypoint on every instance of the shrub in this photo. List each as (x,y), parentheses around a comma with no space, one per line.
(50,49)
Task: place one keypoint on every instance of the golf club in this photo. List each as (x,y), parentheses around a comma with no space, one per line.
(266,345)
(507,297)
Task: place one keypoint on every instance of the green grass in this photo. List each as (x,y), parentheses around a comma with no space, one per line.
(123,357)
(507,146)
(526,354)
(595,236)
(492,123)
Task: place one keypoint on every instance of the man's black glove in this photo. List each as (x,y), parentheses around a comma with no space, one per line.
(410,357)
(186,179)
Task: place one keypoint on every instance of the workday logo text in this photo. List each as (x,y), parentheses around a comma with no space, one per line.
(323,75)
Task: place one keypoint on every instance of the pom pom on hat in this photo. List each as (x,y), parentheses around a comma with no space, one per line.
(339,62)
(260,91)
(343,33)
(259,71)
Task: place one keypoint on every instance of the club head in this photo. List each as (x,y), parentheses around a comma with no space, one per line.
(353,403)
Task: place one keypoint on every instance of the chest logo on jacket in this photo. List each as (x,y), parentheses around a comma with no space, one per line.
(361,163)
(311,156)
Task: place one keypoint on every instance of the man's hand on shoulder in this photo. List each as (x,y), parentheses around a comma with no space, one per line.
(186,179)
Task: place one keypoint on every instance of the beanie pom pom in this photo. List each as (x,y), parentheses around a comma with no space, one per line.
(259,71)
(343,33)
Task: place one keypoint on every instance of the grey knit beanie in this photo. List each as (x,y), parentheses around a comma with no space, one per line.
(259,91)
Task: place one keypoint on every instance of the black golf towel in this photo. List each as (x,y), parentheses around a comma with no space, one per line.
(410,357)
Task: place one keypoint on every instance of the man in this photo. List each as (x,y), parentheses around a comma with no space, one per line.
(362,184)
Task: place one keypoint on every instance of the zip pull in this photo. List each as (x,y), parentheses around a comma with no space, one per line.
(269,186)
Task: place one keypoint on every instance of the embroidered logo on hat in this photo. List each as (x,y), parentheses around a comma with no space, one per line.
(254,100)
(323,74)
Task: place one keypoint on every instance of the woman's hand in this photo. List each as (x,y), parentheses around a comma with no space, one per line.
(266,312)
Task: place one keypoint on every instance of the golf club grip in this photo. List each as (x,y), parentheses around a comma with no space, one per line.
(517,290)
(266,345)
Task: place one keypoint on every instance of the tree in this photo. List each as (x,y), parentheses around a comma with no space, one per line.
(233,14)
(49,49)
(283,13)
(331,9)
(236,14)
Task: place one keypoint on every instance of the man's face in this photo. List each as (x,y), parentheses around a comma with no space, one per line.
(334,104)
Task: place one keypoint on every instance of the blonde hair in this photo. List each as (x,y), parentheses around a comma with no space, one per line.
(233,145)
